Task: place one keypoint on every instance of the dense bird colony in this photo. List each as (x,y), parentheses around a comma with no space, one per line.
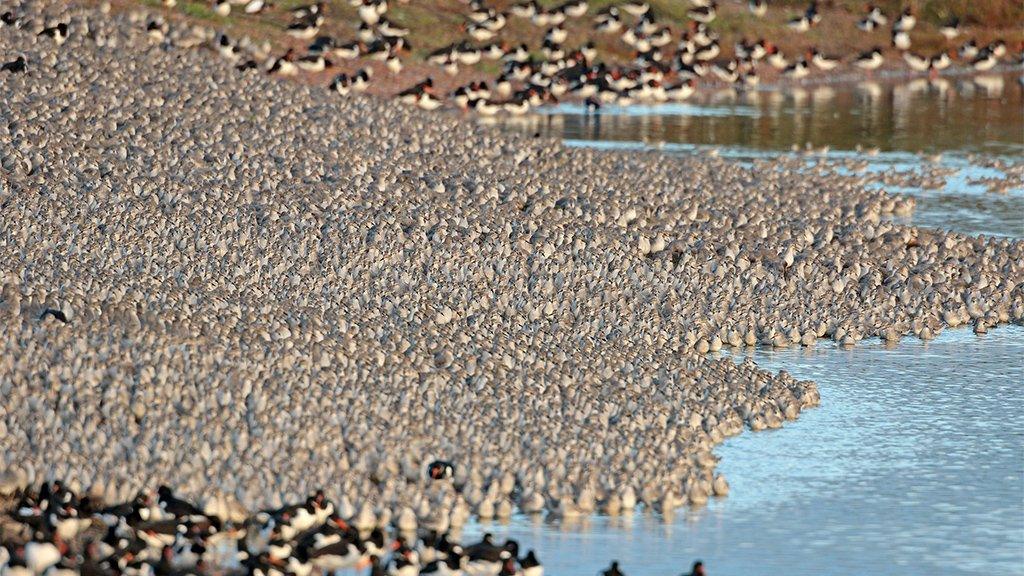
(560,52)
(53,531)
(243,287)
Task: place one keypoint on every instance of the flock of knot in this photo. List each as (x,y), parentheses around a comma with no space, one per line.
(665,64)
(230,285)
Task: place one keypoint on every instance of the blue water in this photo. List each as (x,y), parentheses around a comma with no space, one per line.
(913,464)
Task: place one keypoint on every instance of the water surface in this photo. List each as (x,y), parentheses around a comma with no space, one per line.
(951,138)
(914,462)
(972,113)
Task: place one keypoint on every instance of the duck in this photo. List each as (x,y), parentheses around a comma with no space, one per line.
(905,22)
(822,61)
(758,7)
(869,60)
(950,29)
(58,33)
(997,48)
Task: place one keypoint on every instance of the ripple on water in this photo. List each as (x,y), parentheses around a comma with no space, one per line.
(913,464)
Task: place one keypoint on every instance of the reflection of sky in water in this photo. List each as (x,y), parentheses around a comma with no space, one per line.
(960,205)
(980,113)
(956,117)
(659,109)
(913,465)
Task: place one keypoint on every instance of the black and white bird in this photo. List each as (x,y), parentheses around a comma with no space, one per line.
(15,66)
(58,33)
(950,29)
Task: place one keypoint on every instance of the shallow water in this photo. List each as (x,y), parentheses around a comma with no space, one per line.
(913,464)
(970,113)
(952,125)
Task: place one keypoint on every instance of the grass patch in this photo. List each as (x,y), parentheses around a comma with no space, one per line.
(199,10)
